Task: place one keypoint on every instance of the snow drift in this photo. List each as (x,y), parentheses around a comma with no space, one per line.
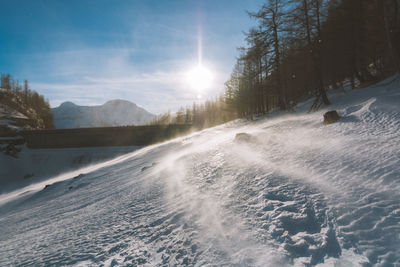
(302,194)
(32,166)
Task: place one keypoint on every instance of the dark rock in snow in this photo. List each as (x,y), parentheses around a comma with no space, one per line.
(331,117)
(28,175)
(12,150)
(47,185)
(148,167)
(244,137)
(79,176)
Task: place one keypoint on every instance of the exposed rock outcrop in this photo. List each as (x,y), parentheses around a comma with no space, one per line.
(331,117)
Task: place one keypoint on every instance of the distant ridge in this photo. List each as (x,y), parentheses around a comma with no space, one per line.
(116,112)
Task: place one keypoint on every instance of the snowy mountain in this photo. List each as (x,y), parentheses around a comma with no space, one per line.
(112,113)
(297,193)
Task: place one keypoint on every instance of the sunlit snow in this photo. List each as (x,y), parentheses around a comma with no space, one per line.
(297,193)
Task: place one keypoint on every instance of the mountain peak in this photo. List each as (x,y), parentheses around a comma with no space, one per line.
(67,104)
(115,112)
(117,102)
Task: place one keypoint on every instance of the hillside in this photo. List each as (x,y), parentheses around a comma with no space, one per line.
(27,167)
(19,112)
(297,193)
(112,113)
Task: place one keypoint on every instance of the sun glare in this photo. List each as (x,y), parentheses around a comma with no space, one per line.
(199,78)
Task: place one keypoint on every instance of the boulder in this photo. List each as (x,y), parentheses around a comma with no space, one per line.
(147,167)
(79,176)
(331,117)
(28,175)
(243,137)
(12,150)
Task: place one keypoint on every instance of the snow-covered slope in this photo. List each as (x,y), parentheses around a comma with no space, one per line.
(112,113)
(30,166)
(297,193)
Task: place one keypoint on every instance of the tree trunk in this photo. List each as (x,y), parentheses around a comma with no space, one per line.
(282,105)
(392,51)
(315,54)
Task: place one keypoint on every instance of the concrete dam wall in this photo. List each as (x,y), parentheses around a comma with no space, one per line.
(107,136)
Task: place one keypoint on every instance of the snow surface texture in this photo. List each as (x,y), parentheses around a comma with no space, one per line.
(112,113)
(36,165)
(298,193)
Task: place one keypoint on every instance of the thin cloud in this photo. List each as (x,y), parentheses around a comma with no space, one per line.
(93,76)
(157,92)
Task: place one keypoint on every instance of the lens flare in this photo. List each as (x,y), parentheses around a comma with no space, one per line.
(199,78)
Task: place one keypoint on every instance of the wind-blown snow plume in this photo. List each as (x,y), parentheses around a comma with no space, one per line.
(296,193)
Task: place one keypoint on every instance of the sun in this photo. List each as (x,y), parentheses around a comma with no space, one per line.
(199,78)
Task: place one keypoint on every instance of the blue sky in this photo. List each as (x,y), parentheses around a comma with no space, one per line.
(92,51)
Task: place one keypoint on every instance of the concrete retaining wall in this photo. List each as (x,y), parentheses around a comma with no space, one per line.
(107,136)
